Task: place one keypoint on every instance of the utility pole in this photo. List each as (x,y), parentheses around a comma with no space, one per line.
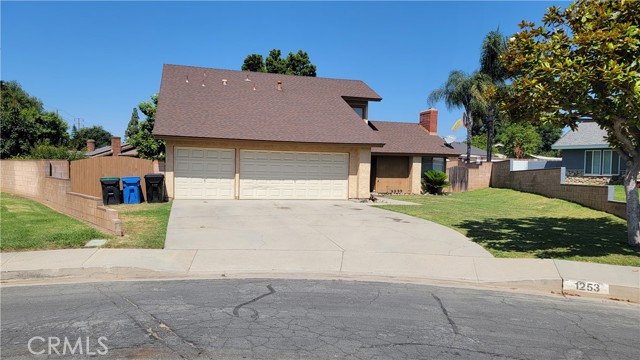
(79,123)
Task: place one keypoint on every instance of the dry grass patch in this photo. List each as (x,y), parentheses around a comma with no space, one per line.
(144,225)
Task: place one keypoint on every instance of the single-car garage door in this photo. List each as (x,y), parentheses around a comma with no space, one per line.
(202,173)
(293,175)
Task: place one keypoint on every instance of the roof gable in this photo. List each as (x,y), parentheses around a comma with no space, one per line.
(410,138)
(587,135)
(249,106)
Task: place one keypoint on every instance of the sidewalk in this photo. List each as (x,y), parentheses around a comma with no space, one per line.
(546,276)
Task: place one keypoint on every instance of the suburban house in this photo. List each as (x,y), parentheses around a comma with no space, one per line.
(245,135)
(410,149)
(476,153)
(586,153)
(117,148)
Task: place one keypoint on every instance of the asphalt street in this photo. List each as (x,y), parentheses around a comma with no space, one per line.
(302,319)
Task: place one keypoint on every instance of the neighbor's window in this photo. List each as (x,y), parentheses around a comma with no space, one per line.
(601,162)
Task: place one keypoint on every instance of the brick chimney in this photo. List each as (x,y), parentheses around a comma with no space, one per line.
(115,145)
(429,121)
(91,145)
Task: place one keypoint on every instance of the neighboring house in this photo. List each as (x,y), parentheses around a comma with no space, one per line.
(246,135)
(476,153)
(585,152)
(410,149)
(115,149)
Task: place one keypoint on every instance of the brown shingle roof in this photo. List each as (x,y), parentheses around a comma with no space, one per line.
(409,138)
(308,109)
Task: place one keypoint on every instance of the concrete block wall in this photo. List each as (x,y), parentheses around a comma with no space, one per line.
(479,174)
(550,183)
(28,178)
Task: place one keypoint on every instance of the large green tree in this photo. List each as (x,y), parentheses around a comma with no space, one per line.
(300,64)
(97,133)
(253,63)
(583,62)
(133,126)
(549,134)
(519,140)
(463,91)
(294,64)
(24,122)
(146,144)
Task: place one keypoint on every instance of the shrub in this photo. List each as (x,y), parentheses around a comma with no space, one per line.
(44,150)
(433,181)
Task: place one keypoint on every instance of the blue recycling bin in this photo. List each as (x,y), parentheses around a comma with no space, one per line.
(131,189)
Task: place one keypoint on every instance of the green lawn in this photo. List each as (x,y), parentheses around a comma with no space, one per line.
(618,193)
(512,224)
(144,225)
(29,225)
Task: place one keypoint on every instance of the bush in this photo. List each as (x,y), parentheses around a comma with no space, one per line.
(433,181)
(44,150)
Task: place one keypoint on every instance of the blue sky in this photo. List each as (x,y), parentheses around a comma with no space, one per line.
(98,60)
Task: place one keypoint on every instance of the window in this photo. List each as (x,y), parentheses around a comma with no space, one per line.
(433,163)
(359,110)
(438,163)
(601,162)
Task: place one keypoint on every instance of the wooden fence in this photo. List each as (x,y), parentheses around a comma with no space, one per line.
(86,173)
(459,178)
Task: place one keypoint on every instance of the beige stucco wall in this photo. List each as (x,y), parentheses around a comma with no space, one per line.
(359,159)
(416,175)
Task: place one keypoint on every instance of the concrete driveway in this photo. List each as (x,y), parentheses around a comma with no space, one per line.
(308,226)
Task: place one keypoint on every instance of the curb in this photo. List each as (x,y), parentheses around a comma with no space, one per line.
(550,287)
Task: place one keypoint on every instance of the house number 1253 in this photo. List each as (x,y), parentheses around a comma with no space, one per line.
(585,286)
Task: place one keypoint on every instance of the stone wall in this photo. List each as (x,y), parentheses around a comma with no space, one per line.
(30,179)
(551,183)
(576,176)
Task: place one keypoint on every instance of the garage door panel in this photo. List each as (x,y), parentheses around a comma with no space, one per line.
(291,175)
(202,173)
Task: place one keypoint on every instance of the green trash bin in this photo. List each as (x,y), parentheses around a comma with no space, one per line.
(110,190)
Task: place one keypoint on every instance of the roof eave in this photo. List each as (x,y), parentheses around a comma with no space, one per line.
(580,147)
(179,137)
(394,153)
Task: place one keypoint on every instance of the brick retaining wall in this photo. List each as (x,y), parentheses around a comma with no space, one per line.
(550,183)
(29,178)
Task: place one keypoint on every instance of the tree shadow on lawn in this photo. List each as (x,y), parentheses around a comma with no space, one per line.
(548,237)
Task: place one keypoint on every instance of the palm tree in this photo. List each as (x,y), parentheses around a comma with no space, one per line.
(466,91)
(491,65)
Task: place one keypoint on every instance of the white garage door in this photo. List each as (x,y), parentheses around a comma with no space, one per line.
(202,173)
(293,175)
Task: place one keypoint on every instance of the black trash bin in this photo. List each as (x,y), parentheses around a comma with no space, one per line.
(155,188)
(110,190)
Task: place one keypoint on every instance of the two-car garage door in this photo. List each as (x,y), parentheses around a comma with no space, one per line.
(202,173)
